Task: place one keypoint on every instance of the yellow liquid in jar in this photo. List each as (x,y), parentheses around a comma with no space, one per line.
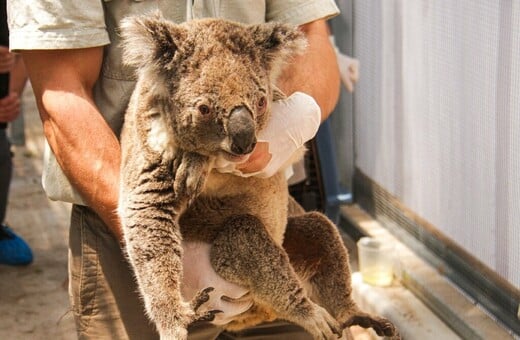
(378,276)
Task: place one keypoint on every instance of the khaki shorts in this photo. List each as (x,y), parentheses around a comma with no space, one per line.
(104,295)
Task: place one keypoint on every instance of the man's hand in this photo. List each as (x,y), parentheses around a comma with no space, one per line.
(258,160)
(7,59)
(294,121)
(198,274)
(9,108)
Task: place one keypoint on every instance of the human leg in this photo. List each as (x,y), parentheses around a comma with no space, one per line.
(13,249)
(102,288)
(6,168)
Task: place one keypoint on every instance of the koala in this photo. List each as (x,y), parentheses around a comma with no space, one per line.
(204,90)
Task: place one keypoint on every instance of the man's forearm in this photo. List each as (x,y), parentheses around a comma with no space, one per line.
(84,145)
(87,151)
(315,72)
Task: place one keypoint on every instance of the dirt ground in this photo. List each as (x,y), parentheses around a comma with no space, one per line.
(33,299)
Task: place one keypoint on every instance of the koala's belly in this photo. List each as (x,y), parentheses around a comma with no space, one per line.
(226,196)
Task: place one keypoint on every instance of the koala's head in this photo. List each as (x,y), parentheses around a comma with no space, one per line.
(211,79)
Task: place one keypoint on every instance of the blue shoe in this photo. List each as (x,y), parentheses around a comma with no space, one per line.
(14,250)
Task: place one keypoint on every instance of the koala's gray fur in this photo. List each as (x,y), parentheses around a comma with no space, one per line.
(203,91)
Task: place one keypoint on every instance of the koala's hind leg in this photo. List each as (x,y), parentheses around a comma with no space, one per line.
(317,254)
(245,254)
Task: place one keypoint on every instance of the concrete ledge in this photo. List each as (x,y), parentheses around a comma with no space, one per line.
(396,303)
(421,302)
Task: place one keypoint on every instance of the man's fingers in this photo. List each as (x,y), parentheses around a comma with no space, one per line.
(9,108)
(258,159)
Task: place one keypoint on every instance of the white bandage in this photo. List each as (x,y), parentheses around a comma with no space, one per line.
(294,121)
(198,274)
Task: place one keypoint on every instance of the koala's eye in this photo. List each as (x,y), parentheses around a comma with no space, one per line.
(261,104)
(204,109)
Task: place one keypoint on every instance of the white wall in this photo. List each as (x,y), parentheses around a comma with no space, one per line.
(437,116)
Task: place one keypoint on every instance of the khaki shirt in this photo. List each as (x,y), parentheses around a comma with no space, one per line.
(41,24)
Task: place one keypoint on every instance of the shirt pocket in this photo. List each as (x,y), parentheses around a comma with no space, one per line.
(244,11)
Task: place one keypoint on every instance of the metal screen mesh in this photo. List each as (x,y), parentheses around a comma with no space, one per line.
(437,117)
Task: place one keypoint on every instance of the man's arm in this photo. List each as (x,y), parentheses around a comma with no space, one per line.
(85,146)
(315,72)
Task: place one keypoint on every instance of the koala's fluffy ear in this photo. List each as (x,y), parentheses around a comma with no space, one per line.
(150,40)
(277,42)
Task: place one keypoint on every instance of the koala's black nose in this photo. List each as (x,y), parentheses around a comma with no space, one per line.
(241,129)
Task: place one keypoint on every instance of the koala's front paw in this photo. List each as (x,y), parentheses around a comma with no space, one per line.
(172,324)
(322,325)
(190,171)
(179,333)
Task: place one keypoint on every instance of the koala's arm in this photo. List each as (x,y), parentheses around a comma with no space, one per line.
(85,146)
(315,72)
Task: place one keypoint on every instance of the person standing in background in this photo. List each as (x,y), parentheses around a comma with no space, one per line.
(13,249)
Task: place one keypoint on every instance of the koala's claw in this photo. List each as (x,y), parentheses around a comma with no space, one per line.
(201,298)
(381,326)
(208,316)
